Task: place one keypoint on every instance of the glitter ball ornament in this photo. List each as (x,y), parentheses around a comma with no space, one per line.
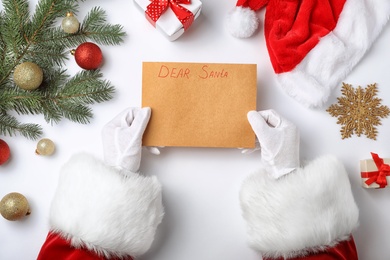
(88,56)
(70,24)
(45,147)
(4,152)
(14,206)
(28,76)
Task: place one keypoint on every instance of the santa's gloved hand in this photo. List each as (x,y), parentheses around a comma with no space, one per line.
(154,149)
(279,141)
(122,139)
(282,214)
(92,193)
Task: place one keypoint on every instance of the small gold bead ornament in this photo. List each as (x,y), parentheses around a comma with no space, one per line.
(45,147)
(70,24)
(14,206)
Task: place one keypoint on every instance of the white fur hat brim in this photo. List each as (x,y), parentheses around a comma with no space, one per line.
(98,208)
(327,65)
(305,211)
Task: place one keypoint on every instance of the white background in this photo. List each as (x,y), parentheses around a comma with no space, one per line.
(200,185)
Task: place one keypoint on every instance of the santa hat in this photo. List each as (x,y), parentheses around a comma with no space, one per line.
(306,214)
(312,45)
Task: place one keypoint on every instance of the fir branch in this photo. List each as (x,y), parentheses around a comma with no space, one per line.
(38,40)
(105,34)
(47,55)
(87,87)
(46,13)
(56,36)
(9,125)
(30,102)
(3,46)
(15,16)
(95,17)
(56,101)
(95,27)
(51,112)
(77,113)
(92,28)
(22,102)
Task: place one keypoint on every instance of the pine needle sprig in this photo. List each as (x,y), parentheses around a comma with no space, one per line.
(77,113)
(9,125)
(2,43)
(96,28)
(46,13)
(33,102)
(58,101)
(88,87)
(83,89)
(14,17)
(56,36)
(47,55)
(21,102)
(39,39)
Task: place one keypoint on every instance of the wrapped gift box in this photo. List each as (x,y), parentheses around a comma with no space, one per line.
(375,172)
(168,23)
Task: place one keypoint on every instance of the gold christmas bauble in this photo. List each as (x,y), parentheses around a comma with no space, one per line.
(28,76)
(45,147)
(14,206)
(70,24)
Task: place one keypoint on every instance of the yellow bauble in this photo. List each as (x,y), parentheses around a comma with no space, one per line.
(45,147)
(28,76)
(14,206)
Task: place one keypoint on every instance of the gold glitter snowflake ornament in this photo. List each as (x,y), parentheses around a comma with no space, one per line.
(359,111)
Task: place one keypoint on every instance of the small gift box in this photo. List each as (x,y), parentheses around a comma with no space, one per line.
(375,172)
(171,17)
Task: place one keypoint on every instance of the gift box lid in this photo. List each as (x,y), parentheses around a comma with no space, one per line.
(168,23)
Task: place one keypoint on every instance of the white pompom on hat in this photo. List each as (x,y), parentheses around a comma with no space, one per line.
(242,21)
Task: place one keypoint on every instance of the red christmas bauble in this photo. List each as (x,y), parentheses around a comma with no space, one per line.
(4,152)
(88,56)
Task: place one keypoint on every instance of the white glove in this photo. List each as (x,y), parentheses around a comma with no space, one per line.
(154,149)
(279,141)
(122,139)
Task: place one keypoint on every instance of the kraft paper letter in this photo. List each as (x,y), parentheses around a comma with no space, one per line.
(199,104)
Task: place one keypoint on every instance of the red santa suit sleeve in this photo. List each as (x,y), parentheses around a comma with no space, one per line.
(308,214)
(57,247)
(99,213)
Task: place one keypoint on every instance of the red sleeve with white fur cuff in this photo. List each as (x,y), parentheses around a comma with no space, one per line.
(97,208)
(306,211)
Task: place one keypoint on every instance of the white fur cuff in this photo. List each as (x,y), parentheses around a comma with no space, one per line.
(98,208)
(304,211)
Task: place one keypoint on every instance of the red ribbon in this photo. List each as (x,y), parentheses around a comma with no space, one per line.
(157,7)
(377,176)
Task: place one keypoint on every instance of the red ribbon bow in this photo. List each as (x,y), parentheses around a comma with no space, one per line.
(157,7)
(377,176)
